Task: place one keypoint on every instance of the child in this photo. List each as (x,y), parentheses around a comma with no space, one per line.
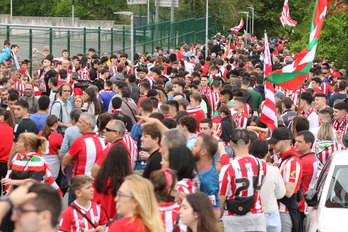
(74,216)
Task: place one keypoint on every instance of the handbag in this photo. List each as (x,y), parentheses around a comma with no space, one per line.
(242,205)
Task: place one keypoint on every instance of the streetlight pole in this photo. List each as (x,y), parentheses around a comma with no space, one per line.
(246,36)
(148,11)
(11,12)
(247,13)
(252,29)
(132,30)
(72,13)
(206,29)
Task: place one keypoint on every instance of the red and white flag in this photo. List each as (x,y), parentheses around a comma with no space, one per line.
(268,113)
(237,28)
(285,19)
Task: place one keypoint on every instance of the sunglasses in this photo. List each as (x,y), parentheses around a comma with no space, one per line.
(119,194)
(108,130)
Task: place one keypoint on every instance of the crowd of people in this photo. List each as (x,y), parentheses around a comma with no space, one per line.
(170,141)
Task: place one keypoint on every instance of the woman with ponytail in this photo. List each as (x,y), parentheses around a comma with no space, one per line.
(54,141)
(6,128)
(165,185)
(226,126)
(28,162)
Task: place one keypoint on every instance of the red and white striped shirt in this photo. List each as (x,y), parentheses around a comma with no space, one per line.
(19,85)
(185,185)
(323,150)
(112,70)
(309,175)
(84,74)
(291,171)
(237,179)
(169,213)
(86,149)
(341,126)
(131,147)
(73,221)
(205,91)
(240,120)
(214,99)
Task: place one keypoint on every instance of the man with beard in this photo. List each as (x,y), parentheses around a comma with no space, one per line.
(203,151)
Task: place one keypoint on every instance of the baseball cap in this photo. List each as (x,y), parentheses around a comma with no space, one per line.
(280,133)
(336,74)
(240,136)
(50,74)
(281,95)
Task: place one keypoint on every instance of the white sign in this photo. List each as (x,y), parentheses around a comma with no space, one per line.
(168,3)
(136,2)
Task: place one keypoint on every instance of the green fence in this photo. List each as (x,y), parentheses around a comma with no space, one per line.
(78,40)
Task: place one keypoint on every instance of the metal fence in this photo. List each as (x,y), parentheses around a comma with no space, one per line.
(78,40)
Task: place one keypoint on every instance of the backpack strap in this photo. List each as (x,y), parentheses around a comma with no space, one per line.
(84,215)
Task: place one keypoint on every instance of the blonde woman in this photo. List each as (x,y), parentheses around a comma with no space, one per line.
(78,102)
(326,143)
(28,162)
(137,203)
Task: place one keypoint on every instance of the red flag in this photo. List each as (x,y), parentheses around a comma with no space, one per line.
(237,28)
(285,19)
(192,50)
(268,113)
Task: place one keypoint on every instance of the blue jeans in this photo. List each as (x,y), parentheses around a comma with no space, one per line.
(273,223)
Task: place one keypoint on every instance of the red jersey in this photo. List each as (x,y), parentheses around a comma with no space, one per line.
(309,174)
(19,85)
(6,141)
(198,112)
(237,179)
(124,224)
(55,140)
(104,154)
(324,149)
(205,91)
(84,74)
(37,91)
(291,171)
(325,88)
(186,186)
(341,126)
(240,120)
(73,221)
(112,70)
(86,149)
(169,212)
(106,202)
(131,147)
(213,99)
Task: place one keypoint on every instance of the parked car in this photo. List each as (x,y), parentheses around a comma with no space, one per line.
(328,203)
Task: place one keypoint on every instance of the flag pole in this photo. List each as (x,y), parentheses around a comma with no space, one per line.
(297,113)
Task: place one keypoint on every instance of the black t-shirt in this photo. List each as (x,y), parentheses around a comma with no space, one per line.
(26,125)
(153,164)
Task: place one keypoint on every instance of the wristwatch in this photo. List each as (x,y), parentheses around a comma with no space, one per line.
(220,140)
(6,198)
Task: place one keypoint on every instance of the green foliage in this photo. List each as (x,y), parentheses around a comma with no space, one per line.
(332,43)
(90,9)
